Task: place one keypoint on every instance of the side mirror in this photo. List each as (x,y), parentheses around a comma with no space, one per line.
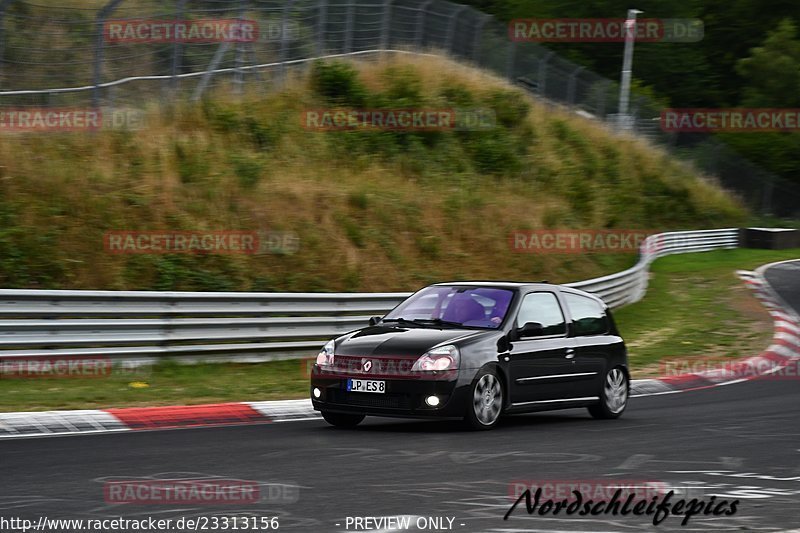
(530,329)
(374,320)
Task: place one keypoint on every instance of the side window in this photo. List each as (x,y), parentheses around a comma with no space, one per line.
(542,307)
(588,316)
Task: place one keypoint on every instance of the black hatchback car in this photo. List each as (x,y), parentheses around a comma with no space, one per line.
(476,350)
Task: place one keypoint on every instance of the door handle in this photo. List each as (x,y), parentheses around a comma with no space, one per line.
(570,353)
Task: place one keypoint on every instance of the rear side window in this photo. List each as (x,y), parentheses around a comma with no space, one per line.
(542,307)
(588,316)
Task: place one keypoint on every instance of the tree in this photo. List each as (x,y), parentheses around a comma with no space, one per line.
(771,76)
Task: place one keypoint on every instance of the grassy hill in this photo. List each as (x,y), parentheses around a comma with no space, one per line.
(372,210)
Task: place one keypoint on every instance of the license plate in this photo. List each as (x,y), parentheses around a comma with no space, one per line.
(366,385)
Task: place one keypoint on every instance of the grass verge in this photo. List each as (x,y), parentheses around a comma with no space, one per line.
(695,306)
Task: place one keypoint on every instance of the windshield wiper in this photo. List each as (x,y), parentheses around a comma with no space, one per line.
(439,322)
(427,322)
(401,320)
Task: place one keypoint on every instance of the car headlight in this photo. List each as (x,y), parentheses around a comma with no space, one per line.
(325,356)
(440,358)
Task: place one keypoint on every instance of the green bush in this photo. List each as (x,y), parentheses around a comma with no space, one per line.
(248,169)
(358,200)
(338,83)
(493,152)
(510,108)
(262,136)
(404,87)
(192,163)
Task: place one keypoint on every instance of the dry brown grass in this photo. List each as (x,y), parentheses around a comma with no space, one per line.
(366,221)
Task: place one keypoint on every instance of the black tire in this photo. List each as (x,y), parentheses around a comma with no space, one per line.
(486,399)
(614,395)
(342,420)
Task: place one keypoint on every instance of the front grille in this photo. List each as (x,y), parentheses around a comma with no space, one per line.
(380,366)
(366,399)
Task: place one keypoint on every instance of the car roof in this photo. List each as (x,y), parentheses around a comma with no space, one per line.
(525,285)
(500,284)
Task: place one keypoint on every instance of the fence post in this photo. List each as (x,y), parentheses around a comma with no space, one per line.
(287,10)
(512,57)
(421,23)
(348,27)
(451,29)
(542,81)
(476,43)
(206,78)
(385,25)
(176,46)
(322,23)
(766,199)
(3,5)
(99,48)
(601,107)
(238,77)
(573,78)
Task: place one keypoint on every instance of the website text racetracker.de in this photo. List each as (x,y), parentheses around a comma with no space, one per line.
(195,523)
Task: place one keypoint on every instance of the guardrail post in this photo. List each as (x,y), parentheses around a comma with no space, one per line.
(176,46)
(99,48)
(451,29)
(421,24)
(386,24)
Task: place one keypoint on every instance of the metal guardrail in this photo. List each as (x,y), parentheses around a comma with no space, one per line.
(137,327)
(630,285)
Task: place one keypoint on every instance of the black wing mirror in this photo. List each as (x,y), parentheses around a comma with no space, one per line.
(530,329)
(374,320)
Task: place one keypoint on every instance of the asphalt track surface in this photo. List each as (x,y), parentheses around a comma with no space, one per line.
(739,441)
(785,280)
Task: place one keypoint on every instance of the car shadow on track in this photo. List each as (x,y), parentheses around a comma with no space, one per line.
(533,420)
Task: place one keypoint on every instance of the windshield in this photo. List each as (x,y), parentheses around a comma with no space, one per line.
(466,306)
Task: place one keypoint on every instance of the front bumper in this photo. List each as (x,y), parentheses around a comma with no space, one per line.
(403,397)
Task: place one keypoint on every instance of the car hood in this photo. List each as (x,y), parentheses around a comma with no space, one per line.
(398,341)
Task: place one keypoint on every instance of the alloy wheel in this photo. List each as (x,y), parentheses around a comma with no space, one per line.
(487,399)
(616,390)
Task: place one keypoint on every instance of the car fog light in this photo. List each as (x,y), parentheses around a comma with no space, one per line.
(317,393)
(433,401)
